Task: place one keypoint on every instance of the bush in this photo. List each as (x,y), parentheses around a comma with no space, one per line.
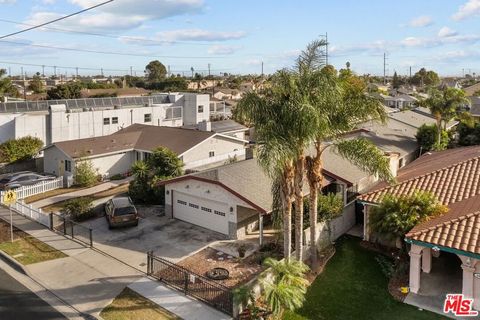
(117,176)
(85,174)
(427,138)
(79,209)
(20,149)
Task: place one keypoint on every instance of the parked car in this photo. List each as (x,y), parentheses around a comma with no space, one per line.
(121,212)
(20,179)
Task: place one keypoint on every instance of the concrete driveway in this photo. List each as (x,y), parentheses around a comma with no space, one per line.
(168,238)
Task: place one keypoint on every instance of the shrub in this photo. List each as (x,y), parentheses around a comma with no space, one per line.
(20,149)
(427,138)
(117,176)
(79,209)
(85,174)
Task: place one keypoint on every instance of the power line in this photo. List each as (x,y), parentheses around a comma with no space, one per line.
(105,35)
(109,52)
(55,20)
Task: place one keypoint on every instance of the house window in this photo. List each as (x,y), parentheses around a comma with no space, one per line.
(220,213)
(114,120)
(200,109)
(193,205)
(211,154)
(147,117)
(68,166)
(206,209)
(106,121)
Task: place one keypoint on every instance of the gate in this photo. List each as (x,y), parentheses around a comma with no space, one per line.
(190,283)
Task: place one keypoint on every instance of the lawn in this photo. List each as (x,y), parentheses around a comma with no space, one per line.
(26,249)
(352,286)
(129,305)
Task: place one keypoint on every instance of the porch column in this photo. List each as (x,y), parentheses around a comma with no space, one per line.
(467,282)
(366,231)
(415,268)
(427,260)
(260,229)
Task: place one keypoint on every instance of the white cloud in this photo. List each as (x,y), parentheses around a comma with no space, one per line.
(199,35)
(421,21)
(469,9)
(446,32)
(220,49)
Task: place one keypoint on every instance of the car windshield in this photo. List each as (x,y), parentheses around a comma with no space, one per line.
(124,211)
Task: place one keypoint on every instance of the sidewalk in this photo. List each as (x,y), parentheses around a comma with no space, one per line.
(89,280)
(80,193)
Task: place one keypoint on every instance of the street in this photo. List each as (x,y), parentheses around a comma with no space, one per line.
(19,303)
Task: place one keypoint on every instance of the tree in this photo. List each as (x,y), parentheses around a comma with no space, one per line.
(155,71)
(285,289)
(36,84)
(71,90)
(20,149)
(425,78)
(395,81)
(85,174)
(397,215)
(444,105)
(427,138)
(7,89)
(163,162)
(468,134)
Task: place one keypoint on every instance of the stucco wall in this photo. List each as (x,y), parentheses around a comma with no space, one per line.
(26,125)
(114,164)
(223,147)
(53,161)
(7,126)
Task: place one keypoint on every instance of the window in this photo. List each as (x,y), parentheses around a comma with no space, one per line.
(106,121)
(147,117)
(193,205)
(68,165)
(146,156)
(182,202)
(200,109)
(114,120)
(220,213)
(206,209)
(211,154)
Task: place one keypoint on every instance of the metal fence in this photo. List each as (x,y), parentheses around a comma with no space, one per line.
(72,229)
(190,283)
(37,188)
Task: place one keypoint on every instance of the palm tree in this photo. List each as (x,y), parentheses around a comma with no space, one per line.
(444,105)
(285,286)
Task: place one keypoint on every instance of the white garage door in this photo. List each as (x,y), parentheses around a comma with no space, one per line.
(201,212)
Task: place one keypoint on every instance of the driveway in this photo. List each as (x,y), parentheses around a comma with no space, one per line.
(168,238)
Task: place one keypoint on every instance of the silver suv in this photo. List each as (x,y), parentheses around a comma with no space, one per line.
(121,212)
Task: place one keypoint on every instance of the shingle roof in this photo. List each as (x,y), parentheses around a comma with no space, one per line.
(451,175)
(136,136)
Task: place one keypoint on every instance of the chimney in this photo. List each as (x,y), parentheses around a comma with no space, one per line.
(205,126)
(394,161)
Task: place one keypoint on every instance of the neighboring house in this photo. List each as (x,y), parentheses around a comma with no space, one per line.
(227,127)
(417,117)
(231,199)
(400,101)
(228,94)
(61,120)
(475,107)
(115,153)
(450,83)
(472,90)
(452,239)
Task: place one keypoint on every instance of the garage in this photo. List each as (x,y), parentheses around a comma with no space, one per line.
(205,213)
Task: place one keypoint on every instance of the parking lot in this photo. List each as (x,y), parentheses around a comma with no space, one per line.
(168,238)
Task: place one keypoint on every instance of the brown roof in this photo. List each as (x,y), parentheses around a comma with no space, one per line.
(136,136)
(451,175)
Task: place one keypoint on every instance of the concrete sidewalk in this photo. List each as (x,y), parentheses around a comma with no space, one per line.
(179,304)
(80,193)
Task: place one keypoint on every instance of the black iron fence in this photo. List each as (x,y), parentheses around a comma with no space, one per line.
(190,283)
(70,228)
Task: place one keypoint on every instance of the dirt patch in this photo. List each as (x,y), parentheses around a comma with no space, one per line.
(241,270)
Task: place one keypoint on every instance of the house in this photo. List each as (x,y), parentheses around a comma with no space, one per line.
(417,117)
(115,153)
(228,94)
(472,90)
(475,107)
(231,199)
(227,127)
(452,239)
(400,101)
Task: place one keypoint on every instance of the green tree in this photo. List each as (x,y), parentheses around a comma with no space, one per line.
(396,81)
(7,89)
(444,105)
(71,90)
(155,71)
(85,174)
(396,216)
(286,286)
(427,138)
(36,84)
(425,78)
(165,163)
(20,149)
(468,134)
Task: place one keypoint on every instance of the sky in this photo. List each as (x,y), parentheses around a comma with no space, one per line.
(237,36)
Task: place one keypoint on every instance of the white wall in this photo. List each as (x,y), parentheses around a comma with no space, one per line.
(7,126)
(53,161)
(114,164)
(36,126)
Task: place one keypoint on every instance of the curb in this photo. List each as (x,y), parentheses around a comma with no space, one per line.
(17,266)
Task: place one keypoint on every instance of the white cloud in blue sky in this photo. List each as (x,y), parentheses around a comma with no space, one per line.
(239,35)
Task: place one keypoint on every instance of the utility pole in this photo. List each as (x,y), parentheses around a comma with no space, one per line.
(209,70)
(24,86)
(384,68)
(101,71)
(21,73)
(55,71)
(131,71)
(76,73)
(262,68)
(168,70)
(43,71)
(9,72)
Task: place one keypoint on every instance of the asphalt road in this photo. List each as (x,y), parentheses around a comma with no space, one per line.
(19,303)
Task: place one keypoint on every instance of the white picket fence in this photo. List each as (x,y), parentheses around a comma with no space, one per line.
(33,213)
(41,187)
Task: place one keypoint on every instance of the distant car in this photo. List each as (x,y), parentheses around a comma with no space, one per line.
(121,212)
(20,179)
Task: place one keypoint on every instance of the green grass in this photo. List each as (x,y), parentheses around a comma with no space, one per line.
(28,250)
(129,305)
(352,286)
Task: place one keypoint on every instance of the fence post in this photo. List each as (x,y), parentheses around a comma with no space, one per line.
(71,228)
(50,215)
(64,226)
(186,282)
(91,238)
(149,270)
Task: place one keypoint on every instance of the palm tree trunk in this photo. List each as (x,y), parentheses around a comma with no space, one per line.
(439,133)
(287,200)
(299,176)
(314,174)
